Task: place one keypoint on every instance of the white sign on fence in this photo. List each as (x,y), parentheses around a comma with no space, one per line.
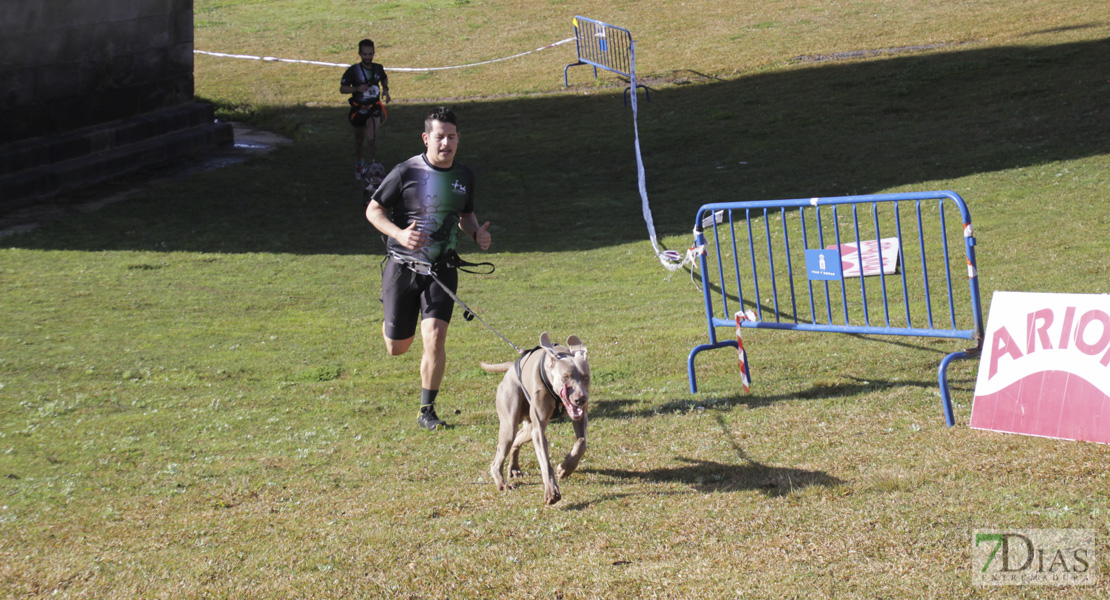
(850,255)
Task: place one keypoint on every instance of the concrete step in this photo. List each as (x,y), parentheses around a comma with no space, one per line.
(31,170)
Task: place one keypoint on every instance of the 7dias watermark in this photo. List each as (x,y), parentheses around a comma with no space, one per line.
(1033,557)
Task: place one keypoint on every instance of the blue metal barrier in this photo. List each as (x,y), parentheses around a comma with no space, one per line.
(833,235)
(604,46)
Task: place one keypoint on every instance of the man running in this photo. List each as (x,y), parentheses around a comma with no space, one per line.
(420,207)
(368,84)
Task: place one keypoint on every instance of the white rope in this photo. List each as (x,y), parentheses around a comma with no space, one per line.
(268,58)
(399,69)
(670,259)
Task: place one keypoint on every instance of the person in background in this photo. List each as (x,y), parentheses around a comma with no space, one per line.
(368,85)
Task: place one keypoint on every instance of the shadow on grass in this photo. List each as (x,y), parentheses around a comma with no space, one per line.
(552,166)
(708,476)
(621,408)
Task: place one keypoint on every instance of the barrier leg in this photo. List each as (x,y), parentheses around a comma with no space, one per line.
(942,379)
(566,82)
(694,352)
(624,98)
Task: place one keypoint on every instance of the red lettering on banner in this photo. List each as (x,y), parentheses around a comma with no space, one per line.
(1045,317)
(1080,341)
(1003,343)
(1065,333)
(1038,336)
(1048,368)
(863,257)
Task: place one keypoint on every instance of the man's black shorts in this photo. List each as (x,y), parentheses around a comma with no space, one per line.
(358,118)
(408,297)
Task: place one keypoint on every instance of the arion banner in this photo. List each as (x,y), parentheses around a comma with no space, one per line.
(1045,367)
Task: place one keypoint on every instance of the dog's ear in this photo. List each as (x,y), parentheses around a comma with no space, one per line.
(576,346)
(545,343)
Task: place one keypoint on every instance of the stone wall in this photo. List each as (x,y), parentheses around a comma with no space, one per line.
(67,64)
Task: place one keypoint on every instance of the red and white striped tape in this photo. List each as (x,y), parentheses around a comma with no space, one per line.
(745,374)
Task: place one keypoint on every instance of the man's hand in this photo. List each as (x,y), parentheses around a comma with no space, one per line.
(413,238)
(482,236)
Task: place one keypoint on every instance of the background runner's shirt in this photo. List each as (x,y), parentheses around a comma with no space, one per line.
(357,75)
(417,191)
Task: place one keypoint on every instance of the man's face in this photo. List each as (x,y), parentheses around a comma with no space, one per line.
(442,141)
(366,53)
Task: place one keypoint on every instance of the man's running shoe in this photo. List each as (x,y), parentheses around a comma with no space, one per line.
(428,418)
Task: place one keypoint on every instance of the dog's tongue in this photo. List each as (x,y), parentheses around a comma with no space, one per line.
(573,410)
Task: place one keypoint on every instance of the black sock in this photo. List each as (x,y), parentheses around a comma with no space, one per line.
(428,397)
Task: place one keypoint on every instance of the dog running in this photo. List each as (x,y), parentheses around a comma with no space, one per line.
(535,387)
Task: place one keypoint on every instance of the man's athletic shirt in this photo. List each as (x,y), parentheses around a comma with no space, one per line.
(357,75)
(417,191)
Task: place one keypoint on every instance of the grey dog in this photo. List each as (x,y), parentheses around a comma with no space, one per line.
(537,384)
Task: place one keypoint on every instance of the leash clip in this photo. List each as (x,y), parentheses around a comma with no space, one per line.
(451,260)
(415,265)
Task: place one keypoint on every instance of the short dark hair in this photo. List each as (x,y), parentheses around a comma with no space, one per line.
(440,113)
(366,42)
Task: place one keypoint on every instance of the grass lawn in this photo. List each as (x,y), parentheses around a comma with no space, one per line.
(195,401)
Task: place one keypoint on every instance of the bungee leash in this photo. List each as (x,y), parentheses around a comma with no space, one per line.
(452,260)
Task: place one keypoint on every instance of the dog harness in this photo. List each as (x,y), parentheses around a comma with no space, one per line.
(559,408)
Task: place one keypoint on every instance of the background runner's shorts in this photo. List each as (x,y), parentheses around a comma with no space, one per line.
(358,118)
(408,298)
